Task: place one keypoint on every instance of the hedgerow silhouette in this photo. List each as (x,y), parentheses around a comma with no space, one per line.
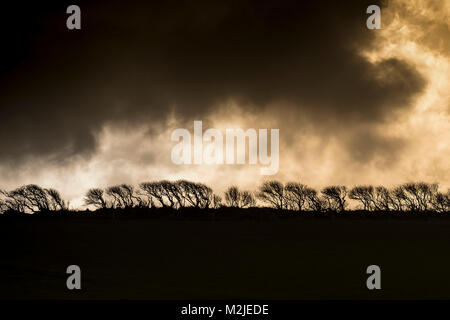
(293,196)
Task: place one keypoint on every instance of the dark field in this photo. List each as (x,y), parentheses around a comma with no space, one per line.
(211,258)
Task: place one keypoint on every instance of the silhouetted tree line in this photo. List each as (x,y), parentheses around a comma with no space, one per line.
(164,194)
(418,196)
(293,196)
(31,198)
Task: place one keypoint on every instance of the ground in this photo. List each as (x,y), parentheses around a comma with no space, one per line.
(180,257)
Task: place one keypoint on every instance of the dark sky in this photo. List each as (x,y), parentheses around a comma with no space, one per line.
(134,63)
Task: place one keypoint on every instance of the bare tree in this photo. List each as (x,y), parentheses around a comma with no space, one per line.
(144,199)
(129,198)
(411,196)
(239,199)
(426,193)
(14,201)
(55,200)
(186,193)
(363,194)
(30,199)
(36,197)
(441,201)
(171,193)
(273,193)
(115,192)
(177,190)
(179,194)
(247,199)
(416,196)
(335,197)
(196,195)
(5,204)
(384,199)
(204,194)
(232,197)
(154,190)
(296,196)
(217,202)
(95,197)
(314,202)
(400,199)
(123,196)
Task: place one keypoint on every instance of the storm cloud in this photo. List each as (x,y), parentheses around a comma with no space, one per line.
(134,63)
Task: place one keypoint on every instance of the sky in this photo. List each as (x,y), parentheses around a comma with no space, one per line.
(96,107)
